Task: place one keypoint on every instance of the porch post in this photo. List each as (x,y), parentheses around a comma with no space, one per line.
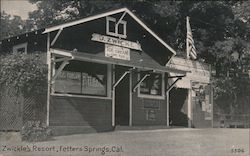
(189,108)
(167,96)
(130,99)
(49,77)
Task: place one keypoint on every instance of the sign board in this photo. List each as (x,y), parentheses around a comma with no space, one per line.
(151,115)
(117,52)
(116,41)
(152,104)
(198,71)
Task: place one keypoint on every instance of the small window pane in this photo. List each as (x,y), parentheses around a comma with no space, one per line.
(111,26)
(121,29)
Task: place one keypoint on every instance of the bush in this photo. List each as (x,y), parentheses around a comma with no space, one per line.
(27,73)
(35,131)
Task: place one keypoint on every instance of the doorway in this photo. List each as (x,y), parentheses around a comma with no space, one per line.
(122,96)
(178,107)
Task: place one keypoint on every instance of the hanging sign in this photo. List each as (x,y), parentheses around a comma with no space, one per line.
(116,41)
(117,52)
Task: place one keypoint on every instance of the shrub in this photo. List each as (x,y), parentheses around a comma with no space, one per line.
(35,131)
(27,73)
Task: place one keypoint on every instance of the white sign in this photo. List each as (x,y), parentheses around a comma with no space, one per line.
(198,71)
(116,41)
(117,52)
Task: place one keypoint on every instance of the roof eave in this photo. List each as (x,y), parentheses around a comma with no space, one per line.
(62,26)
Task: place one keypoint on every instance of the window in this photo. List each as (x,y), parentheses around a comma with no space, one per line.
(20,48)
(119,31)
(152,86)
(83,78)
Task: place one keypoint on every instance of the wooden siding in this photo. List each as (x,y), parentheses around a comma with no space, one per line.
(36,42)
(79,111)
(139,110)
(79,37)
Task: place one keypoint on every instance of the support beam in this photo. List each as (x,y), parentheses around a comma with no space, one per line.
(172,85)
(130,100)
(59,71)
(189,103)
(61,53)
(167,95)
(139,82)
(61,59)
(119,80)
(180,76)
(49,77)
(56,37)
(119,21)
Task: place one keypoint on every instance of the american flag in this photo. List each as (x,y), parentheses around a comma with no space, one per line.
(191,51)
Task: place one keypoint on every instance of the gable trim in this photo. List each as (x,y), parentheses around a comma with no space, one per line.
(69,24)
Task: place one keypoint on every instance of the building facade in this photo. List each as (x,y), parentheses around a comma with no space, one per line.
(105,70)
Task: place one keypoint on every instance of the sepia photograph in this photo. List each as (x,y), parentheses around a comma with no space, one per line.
(124,78)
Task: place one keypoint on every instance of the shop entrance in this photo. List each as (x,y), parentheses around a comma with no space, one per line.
(178,107)
(122,96)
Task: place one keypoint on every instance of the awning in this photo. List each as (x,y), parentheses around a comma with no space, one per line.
(185,82)
(107,60)
(190,77)
(199,72)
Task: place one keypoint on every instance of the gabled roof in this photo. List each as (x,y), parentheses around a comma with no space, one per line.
(69,24)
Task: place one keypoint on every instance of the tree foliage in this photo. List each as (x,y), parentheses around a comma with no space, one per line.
(11,25)
(221,30)
(27,73)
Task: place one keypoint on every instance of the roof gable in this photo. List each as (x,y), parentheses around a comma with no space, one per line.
(125,10)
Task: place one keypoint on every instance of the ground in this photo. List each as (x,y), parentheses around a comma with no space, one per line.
(160,142)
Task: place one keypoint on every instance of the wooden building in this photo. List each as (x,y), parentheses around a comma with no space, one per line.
(104,70)
(191,99)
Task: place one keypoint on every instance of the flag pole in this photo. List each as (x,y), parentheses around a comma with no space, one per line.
(187,49)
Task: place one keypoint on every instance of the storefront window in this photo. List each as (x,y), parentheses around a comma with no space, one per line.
(152,84)
(83,79)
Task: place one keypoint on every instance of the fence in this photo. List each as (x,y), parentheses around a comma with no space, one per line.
(231,120)
(15,110)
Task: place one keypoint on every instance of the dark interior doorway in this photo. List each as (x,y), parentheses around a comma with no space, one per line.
(122,96)
(178,107)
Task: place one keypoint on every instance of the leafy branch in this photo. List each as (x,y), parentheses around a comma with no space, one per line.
(27,73)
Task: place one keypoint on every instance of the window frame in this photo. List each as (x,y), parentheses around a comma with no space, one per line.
(149,96)
(19,46)
(106,96)
(116,33)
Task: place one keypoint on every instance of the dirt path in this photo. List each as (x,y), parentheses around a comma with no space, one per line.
(167,142)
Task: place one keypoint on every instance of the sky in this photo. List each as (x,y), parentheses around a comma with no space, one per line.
(17,7)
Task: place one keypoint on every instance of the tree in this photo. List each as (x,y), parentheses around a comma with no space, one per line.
(221,30)
(26,73)
(11,26)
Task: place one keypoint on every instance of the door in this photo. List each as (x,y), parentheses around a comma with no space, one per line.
(122,96)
